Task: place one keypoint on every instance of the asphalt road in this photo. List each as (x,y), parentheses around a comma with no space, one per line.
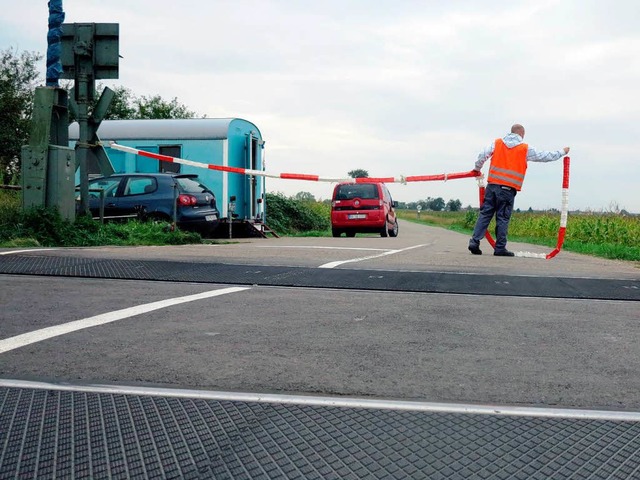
(497,349)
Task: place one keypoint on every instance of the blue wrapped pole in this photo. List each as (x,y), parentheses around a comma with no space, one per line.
(54,35)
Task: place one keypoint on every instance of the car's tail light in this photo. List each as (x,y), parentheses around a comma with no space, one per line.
(187,200)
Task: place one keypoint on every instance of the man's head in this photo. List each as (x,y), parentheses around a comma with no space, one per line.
(519,129)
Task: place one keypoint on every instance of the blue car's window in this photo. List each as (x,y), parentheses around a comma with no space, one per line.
(140,185)
(191,185)
(109,185)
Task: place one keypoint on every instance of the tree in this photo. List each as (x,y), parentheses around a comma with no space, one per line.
(358,173)
(454,205)
(157,107)
(436,204)
(304,197)
(18,79)
(122,106)
(126,105)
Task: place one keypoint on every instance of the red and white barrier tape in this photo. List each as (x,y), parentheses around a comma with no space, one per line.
(296,176)
(563,217)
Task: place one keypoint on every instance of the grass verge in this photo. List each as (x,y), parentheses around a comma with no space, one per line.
(44,227)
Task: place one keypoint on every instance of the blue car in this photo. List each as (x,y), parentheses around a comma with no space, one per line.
(155,196)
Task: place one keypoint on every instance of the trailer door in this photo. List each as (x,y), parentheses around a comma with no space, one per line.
(251,149)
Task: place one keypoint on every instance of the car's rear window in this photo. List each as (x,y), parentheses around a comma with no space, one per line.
(357,190)
(191,185)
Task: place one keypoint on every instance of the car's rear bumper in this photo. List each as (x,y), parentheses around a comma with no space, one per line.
(373,219)
(200,219)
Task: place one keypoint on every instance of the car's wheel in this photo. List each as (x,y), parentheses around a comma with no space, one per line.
(384,232)
(335,232)
(351,233)
(393,232)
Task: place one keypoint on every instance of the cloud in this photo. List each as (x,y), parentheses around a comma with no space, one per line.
(394,87)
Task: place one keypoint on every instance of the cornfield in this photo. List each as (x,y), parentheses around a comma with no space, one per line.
(607,235)
(581,227)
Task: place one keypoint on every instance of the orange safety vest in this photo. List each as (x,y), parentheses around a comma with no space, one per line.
(508,165)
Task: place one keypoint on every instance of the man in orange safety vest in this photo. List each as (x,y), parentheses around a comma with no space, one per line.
(509,157)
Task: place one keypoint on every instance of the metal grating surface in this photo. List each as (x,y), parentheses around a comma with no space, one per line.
(67,434)
(436,282)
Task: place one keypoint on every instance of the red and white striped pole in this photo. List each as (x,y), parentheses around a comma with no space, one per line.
(564,212)
(565,209)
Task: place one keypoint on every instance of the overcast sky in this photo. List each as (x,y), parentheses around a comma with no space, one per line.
(395,87)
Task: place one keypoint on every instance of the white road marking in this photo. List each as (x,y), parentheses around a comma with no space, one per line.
(349,402)
(389,252)
(531,255)
(327,248)
(27,251)
(45,333)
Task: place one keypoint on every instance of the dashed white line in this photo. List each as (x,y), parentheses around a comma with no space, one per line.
(327,248)
(35,336)
(389,252)
(9,252)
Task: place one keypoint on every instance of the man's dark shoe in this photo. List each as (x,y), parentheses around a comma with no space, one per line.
(504,253)
(475,250)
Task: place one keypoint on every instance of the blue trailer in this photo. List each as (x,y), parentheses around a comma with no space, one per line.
(229,142)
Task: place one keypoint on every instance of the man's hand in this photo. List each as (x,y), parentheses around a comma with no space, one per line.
(566,150)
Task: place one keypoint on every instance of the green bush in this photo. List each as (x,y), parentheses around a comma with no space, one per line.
(470,219)
(49,228)
(289,216)
(9,212)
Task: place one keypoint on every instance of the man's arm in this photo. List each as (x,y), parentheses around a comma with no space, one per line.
(483,156)
(534,155)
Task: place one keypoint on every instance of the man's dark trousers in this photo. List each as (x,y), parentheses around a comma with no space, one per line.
(498,200)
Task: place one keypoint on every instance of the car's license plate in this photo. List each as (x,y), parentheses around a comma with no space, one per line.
(210,218)
(357,216)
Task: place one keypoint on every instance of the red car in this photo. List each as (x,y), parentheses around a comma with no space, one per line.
(363,208)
